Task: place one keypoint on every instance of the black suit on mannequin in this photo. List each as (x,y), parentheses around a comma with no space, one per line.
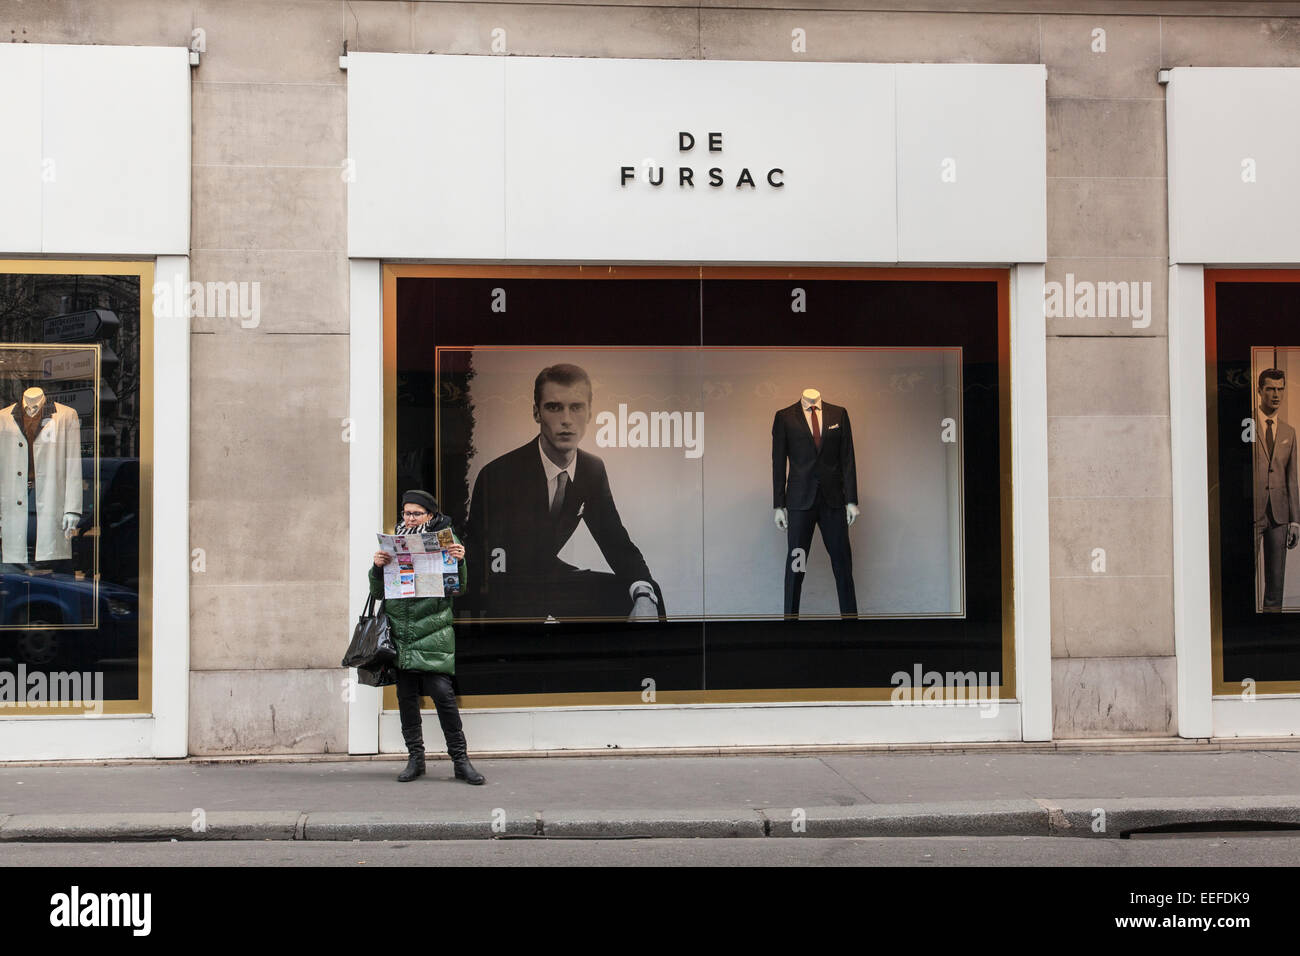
(509,511)
(820,483)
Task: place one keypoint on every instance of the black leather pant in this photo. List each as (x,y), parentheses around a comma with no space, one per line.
(411,686)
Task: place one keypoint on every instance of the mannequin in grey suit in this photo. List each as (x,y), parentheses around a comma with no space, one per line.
(1277,503)
(816,440)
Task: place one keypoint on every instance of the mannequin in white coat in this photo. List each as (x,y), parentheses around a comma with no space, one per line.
(46,466)
(33,402)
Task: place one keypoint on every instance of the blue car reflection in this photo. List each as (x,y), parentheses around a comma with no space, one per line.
(46,618)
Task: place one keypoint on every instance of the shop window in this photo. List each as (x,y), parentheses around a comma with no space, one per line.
(71,557)
(1253,360)
(647,501)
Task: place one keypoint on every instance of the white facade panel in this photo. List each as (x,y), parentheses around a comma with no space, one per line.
(525,161)
(720,725)
(822,130)
(365,474)
(1029,537)
(171,576)
(972,163)
(1190,486)
(1260,717)
(20,148)
(117,150)
(427,148)
(1234,162)
(106,737)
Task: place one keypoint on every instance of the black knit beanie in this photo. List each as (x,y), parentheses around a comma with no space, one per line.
(422,498)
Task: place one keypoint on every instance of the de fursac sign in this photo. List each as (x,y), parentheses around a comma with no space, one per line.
(555,159)
(654,175)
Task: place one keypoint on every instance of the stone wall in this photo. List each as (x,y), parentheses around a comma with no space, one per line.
(269,206)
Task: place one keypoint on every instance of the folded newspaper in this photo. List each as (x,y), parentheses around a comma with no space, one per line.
(423,567)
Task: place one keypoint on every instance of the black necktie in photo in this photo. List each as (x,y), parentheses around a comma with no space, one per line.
(1268,439)
(561,485)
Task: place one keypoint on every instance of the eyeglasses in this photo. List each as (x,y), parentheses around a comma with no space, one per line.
(415,514)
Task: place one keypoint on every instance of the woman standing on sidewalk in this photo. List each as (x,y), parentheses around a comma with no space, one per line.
(426,647)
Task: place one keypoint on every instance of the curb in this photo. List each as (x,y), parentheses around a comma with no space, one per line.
(985,818)
(381,825)
(154,827)
(1067,818)
(1121,817)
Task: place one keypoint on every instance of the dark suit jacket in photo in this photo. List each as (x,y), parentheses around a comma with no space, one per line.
(1275,478)
(510,510)
(832,469)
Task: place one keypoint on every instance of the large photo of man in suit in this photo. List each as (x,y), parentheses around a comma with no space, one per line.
(529,502)
(1277,501)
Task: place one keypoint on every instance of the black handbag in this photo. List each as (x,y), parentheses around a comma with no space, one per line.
(372,644)
(380,676)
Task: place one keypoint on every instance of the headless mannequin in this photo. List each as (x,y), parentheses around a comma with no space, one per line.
(33,405)
(33,399)
(781,516)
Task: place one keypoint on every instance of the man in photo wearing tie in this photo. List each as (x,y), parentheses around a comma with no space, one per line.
(822,489)
(526,505)
(1277,503)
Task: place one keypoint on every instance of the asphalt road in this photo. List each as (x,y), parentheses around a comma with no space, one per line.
(1199,851)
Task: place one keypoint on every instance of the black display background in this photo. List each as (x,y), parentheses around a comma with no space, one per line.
(1257,646)
(498,658)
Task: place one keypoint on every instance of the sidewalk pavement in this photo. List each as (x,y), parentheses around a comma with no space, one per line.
(842,794)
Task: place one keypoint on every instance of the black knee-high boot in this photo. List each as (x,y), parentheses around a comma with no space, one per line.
(443,692)
(459,753)
(408,705)
(414,738)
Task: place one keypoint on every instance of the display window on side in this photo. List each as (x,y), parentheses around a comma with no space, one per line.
(1253,404)
(70,489)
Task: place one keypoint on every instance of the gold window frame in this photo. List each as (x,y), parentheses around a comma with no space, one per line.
(1006,691)
(142,703)
(1221,687)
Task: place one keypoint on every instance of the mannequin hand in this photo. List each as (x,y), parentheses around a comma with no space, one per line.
(782,518)
(1292,535)
(644,609)
(851,512)
(70,522)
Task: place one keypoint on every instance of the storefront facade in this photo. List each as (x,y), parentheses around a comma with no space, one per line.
(968,257)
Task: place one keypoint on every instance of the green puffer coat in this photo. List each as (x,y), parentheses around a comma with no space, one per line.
(422,627)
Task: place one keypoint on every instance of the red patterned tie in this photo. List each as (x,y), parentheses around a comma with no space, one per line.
(817,429)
